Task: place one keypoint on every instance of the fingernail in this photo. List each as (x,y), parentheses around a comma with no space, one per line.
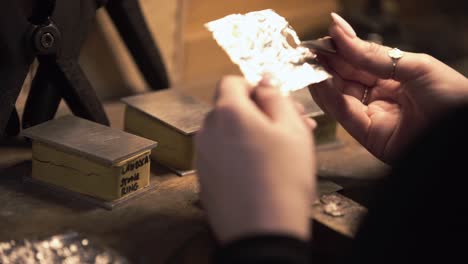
(345,26)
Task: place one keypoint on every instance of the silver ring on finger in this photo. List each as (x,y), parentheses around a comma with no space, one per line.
(365,95)
(395,54)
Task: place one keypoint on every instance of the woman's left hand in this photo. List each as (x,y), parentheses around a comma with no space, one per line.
(256,163)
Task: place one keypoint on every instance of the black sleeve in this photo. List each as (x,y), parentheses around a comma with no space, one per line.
(420,212)
(263,249)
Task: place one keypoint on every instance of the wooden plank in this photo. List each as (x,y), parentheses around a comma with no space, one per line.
(94,141)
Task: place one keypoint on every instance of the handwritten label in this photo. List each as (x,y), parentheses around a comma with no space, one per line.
(132,174)
(129,189)
(126,181)
(130,184)
(135,164)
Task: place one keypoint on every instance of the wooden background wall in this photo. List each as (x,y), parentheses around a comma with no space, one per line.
(194,60)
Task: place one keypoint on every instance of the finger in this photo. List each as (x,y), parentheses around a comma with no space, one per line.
(234,102)
(232,87)
(388,90)
(275,105)
(310,123)
(373,57)
(346,70)
(383,90)
(207,124)
(299,108)
(351,88)
(355,89)
(346,109)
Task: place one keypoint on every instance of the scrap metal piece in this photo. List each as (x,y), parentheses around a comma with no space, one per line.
(339,213)
(262,43)
(333,209)
(64,248)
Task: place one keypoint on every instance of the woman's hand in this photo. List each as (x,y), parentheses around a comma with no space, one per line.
(394,110)
(255,161)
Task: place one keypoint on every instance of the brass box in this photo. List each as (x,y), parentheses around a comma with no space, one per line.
(171,119)
(88,158)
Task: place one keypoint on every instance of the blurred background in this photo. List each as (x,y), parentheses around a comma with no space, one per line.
(195,62)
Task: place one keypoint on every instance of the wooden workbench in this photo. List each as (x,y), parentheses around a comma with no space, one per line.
(166,224)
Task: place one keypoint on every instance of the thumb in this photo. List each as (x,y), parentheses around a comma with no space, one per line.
(373,57)
(270,100)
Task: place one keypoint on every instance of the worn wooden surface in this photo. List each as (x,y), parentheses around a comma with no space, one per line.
(166,224)
(91,140)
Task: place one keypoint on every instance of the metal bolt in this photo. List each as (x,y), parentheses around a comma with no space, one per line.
(47,40)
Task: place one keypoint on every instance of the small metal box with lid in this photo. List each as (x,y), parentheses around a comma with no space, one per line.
(88,158)
(171,119)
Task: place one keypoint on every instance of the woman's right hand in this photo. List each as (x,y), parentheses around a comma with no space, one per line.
(394,110)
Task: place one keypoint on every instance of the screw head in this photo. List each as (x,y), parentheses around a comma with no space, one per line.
(47,40)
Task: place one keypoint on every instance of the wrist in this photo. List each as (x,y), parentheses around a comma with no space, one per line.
(269,248)
(286,216)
